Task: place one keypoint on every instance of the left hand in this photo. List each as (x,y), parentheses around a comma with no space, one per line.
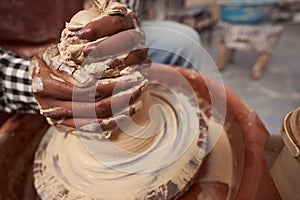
(93,92)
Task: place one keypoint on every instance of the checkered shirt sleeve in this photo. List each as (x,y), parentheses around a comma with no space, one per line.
(15,84)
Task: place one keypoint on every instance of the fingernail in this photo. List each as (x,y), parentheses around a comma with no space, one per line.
(84,34)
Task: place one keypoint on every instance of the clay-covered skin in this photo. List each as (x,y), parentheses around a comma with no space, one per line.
(74,46)
(94,52)
(75,81)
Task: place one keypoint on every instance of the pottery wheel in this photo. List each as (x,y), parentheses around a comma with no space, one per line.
(157,158)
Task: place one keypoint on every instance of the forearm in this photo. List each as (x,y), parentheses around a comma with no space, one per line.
(15,84)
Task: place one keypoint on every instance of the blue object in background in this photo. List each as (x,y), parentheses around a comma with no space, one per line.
(245,12)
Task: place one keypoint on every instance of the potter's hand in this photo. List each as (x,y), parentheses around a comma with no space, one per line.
(62,98)
(108,25)
(79,97)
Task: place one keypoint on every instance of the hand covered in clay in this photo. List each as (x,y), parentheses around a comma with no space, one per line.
(100,88)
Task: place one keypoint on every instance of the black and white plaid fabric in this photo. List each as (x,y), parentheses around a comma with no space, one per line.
(15,84)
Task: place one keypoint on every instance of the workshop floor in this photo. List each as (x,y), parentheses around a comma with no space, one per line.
(278,91)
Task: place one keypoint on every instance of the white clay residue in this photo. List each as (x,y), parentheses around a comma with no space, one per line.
(37,84)
(70,46)
(51,110)
(156,150)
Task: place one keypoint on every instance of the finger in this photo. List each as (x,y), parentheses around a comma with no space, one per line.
(108,87)
(112,23)
(135,57)
(47,82)
(99,124)
(89,124)
(108,106)
(76,77)
(115,45)
(114,68)
(51,58)
(55,88)
(102,109)
(120,84)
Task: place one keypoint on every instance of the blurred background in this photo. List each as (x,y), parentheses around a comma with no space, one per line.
(254,43)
